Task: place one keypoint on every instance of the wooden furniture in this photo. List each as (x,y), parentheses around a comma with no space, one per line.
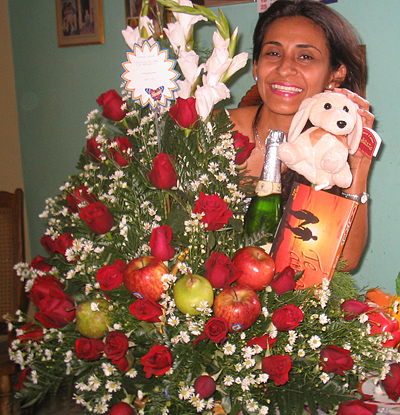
(12,294)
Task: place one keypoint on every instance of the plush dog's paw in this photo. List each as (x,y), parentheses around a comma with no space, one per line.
(289,154)
(333,161)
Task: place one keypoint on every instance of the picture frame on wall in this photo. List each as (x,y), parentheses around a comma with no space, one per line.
(79,22)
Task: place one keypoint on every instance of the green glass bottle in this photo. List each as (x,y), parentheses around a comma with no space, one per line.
(265,209)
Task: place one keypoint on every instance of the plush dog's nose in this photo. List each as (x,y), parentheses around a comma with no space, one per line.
(341,124)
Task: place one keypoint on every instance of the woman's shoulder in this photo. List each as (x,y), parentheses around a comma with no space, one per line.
(243,118)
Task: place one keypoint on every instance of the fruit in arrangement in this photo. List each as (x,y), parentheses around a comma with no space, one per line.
(258,267)
(239,305)
(92,318)
(190,290)
(143,275)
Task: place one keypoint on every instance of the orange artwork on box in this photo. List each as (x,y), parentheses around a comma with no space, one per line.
(312,233)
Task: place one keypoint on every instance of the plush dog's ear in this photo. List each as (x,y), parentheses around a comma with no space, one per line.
(354,138)
(300,119)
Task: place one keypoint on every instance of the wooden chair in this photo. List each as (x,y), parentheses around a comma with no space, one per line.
(12,293)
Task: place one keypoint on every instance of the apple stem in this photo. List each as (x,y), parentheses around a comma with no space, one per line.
(236,297)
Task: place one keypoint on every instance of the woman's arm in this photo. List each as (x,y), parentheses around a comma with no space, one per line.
(359,165)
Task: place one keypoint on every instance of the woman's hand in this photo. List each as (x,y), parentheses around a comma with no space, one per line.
(367,117)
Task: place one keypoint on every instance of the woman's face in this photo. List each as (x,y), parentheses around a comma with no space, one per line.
(293,64)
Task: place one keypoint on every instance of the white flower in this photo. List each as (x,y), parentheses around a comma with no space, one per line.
(325,378)
(188,63)
(252,405)
(228,380)
(301,353)
(113,386)
(314,342)
(229,348)
(186,392)
(131,373)
(108,369)
(208,95)
(323,319)
(94,306)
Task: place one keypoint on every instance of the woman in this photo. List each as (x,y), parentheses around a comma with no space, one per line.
(302,48)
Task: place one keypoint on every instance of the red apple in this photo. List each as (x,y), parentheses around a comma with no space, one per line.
(258,268)
(239,306)
(142,277)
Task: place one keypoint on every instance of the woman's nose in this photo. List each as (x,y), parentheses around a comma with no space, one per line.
(286,66)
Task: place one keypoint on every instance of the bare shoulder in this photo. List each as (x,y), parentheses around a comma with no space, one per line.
(243,118)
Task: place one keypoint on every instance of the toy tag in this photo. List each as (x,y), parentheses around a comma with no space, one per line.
(150,75)
(370,143)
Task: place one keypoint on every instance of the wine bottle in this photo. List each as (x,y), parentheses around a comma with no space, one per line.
(265,209)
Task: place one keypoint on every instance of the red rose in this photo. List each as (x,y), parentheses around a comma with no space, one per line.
(336,360)
(111,103)
(40,264)
(123,364)
(265,341)
(43,286)
(93,149)
(244,146)
(32,332)
(356,407)
(278,368)
(220,270)
(160,243)
(80,196)
(204,386)
(162,175)
(22,378)
(122,408)
(116,345)
(184,112)
(381,322)
(391,383)
(146,309)
(111,276)
(215,329)
(157,362)
(284,281)
(63,242)
(89,349)
(120,154)
(353,308)
(216,212)
(287,317)
(48,243)
(97,217)
(56,310)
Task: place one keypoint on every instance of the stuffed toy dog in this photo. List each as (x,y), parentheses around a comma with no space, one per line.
(320,153)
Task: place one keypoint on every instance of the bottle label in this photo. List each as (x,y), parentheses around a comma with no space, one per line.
(266,188)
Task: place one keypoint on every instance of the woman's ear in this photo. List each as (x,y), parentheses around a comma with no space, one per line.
(338,76)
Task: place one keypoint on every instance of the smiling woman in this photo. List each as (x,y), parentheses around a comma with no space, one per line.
(300,49)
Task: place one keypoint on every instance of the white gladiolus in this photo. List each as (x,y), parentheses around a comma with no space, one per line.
(176,36)
(188,62)
(132,36)
(208,95)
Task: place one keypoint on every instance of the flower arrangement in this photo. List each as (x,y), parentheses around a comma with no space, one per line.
(141,244)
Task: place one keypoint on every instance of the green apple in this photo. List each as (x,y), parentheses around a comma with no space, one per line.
(190,291)
(92,319)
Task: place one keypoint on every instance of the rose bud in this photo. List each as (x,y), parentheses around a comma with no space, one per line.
(215,209)
(284,281)
(40,264)
(111,276)
(160,243)
(146,309)
(287,317)
(336,360)
(93,149)
(79,196)
(278,368)
(265,341)
(184,112)
(220,270)
(391,383)
(48,243)
(120,154)
(111,103)
(63,242)
(97,217)
(89,349)
(244,146)
(204,386)
(162,175)
(356,407)
(353,308)
(122,408)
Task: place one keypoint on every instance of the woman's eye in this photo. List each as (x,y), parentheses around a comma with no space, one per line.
(306,57)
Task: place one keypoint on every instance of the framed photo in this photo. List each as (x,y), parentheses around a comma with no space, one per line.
(79,22)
